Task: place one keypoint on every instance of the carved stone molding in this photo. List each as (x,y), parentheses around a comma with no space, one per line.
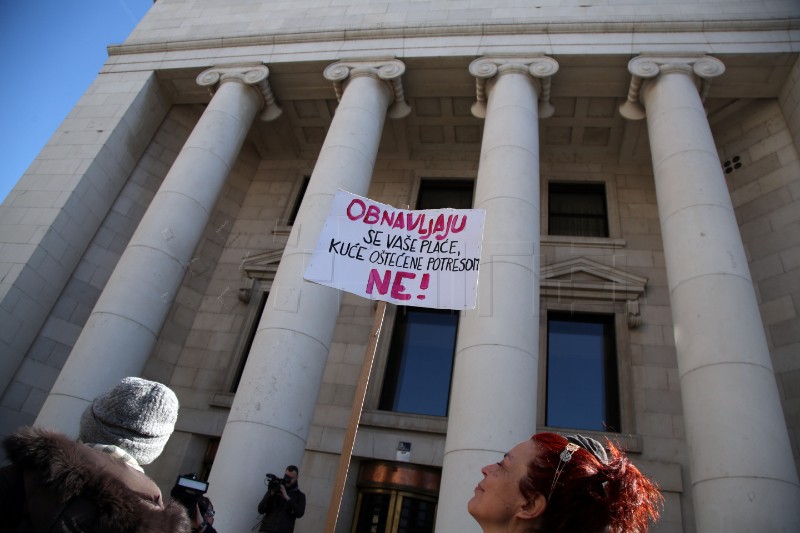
(647,66)
(263,265)
(388,70)
(540,67)
(255,76)
(587,280)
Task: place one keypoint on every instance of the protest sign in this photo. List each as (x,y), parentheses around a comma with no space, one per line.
(424,258)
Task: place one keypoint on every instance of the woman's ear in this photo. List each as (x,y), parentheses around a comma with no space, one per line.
(534,508)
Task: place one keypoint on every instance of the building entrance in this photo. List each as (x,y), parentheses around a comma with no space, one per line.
(396,498)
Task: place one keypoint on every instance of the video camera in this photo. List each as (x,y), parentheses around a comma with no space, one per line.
(188,491)
(274,482)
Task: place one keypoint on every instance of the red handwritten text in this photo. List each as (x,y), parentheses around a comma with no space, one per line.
(398,289)
(439,227)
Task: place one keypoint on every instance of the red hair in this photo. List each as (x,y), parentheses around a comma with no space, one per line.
(589,495)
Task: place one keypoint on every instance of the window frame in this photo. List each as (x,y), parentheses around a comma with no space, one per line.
(371,415)
(245,340)
(611,389)
(627,418)
(283,226)
(260,293)
(297,195)
(260,270)
(397,363)
(612,209)
(596,190)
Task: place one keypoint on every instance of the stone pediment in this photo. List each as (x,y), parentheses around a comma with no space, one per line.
(584,279)
(263,265)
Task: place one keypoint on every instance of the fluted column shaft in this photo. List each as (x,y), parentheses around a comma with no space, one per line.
(493,393)
(124,324)
(741,466)
(271,415)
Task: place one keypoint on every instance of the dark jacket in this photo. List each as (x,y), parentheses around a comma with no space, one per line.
(55,484)
(279,514)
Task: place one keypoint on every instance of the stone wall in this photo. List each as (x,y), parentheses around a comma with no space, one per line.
(765,191)
(65,225)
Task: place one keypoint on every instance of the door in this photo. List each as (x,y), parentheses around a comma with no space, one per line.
(396,498)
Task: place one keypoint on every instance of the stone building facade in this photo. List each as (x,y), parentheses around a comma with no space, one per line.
(639,166)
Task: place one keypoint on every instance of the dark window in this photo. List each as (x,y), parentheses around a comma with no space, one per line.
(439,194)
(420,359)
(417,378)
(582,383)
(249,342)
(298,200)
(577,209)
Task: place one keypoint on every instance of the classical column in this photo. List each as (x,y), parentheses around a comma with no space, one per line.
(740,460)
(493,397)
(271,415)
(122,329)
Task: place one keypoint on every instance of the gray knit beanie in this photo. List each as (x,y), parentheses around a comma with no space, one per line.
(137,415)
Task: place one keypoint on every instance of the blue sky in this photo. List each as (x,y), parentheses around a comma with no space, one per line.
(51,50)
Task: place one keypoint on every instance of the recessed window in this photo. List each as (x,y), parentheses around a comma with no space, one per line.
(251,335)
(577,209)
(440,194)
(417,378)
(582,379)
(419,365)
(298,200)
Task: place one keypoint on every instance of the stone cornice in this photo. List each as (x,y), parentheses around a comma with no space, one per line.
(421,30)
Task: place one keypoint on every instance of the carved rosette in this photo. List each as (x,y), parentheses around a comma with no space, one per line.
(540,67)
(648,66)
(387,70)
(255,76)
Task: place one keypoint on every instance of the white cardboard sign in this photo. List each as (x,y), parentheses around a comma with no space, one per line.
(424,258)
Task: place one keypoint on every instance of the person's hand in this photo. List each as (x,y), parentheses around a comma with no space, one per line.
(197,519)
(284,493)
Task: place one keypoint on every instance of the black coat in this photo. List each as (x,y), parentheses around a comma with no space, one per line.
(279,514)
(56,484)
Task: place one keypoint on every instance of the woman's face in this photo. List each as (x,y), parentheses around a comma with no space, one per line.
(497,497)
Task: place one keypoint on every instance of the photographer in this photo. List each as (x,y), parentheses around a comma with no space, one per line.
(190,493)
(208,516)
(283,503)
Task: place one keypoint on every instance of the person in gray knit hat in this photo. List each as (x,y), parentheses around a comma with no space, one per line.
(137,415)
(97,483)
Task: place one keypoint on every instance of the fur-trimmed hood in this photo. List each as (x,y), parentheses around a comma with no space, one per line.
(62,476)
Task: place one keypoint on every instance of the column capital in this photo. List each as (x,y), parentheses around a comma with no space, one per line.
(255,76)
(538,66)
(387,70)
(647,66)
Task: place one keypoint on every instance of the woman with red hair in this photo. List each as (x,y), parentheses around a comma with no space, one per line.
(571,484)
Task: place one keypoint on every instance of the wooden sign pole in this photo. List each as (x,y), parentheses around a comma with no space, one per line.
(355,417)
